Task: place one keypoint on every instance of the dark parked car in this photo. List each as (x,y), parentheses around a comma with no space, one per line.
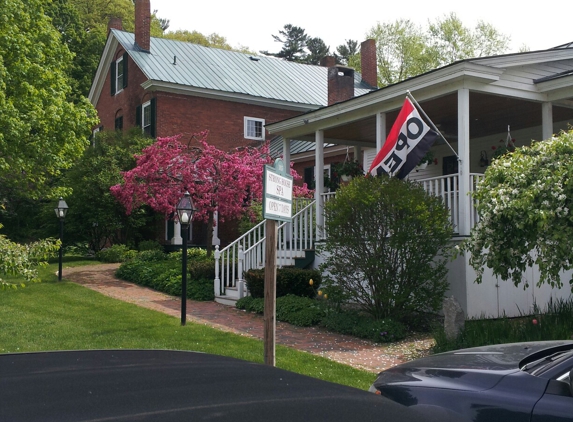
(519,382)
(161,385)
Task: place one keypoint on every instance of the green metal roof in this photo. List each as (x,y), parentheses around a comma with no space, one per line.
(192,65)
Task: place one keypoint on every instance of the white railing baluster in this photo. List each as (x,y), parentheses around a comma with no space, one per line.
(447,188)
(249,250)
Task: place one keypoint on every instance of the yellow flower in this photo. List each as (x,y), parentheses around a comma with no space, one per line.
(320,292)
(311,282)
(325,296)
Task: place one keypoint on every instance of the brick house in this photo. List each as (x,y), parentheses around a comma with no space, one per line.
(169,87)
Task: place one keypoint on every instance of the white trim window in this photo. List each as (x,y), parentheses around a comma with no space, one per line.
(254,128)
(119,72)
(146,117)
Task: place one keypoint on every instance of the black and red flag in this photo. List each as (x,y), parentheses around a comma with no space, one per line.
(408,141)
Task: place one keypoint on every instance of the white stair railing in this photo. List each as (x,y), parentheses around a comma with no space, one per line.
(248,251)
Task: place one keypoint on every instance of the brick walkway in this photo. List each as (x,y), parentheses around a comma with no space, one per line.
(344,349)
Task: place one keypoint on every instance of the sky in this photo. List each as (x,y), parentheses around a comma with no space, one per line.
(251,23)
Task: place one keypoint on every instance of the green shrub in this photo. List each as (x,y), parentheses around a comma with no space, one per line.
(198,254)
(165,276)
(202,269)
(116,253)
(299,311)
(251,304)
(387,250)
(290,280)
(151,255)
(363,326)
(296,310)
(150,245)
(201,289)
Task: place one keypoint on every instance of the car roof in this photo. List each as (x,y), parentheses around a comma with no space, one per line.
(164,385)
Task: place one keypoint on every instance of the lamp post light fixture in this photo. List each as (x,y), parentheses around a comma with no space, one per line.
(185,212)
(61,211)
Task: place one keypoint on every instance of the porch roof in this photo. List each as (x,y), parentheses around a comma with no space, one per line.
(505,89)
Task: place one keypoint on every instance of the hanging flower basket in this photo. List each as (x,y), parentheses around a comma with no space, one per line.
(425,160)
(347,170)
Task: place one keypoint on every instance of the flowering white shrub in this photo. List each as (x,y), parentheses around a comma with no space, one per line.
(524,204)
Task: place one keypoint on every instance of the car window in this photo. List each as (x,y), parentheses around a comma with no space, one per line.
(564,377)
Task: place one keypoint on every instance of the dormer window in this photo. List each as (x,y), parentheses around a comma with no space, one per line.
(254,128)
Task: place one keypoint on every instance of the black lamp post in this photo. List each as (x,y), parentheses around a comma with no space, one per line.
(185,212)
(61,211)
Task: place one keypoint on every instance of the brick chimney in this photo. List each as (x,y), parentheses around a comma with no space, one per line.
(340,84)
(328,61)
(142,23)
(114,23)
(368,63)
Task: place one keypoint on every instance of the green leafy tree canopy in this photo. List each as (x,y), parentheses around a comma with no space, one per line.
(405,49)
(41,130)
(524,203)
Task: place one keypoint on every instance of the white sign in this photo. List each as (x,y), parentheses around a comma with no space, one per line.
(277,193)
(278,185)
(279,209)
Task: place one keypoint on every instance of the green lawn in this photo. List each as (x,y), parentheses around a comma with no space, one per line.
(56,315)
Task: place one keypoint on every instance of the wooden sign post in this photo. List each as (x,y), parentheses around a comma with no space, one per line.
(277,205)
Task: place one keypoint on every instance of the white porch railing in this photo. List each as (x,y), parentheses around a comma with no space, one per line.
(248,251)
(294,238)
(447,187)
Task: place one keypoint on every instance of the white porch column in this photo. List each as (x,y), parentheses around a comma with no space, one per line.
(380,130)
(464,163)
(286,153)
(358,154)
(216,240)
(319,182)
(286,161)
(176,239)
(546,120)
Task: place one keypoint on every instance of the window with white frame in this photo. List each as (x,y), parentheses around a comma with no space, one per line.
(254,128)
(119,72)
(146,117)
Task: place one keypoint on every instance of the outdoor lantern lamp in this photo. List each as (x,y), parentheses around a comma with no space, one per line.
(61,211)
(185,212)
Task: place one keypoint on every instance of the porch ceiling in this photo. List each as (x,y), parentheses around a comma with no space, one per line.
(489,115)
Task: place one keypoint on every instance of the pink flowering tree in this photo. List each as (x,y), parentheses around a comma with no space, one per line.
(218,181)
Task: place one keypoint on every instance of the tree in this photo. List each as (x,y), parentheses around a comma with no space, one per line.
(42,130)
(212,40)
(451,40)
(387,247)
(298,46)
(402,51)
(22,260)
(345,52)
(524,204)
(317,50)
(97,217)
(218,181)
(85,45)
(405,50)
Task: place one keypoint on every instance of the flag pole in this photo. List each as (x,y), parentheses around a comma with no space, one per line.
(421,110)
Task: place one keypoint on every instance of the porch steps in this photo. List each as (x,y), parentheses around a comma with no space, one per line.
(307,260)
(232,293)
